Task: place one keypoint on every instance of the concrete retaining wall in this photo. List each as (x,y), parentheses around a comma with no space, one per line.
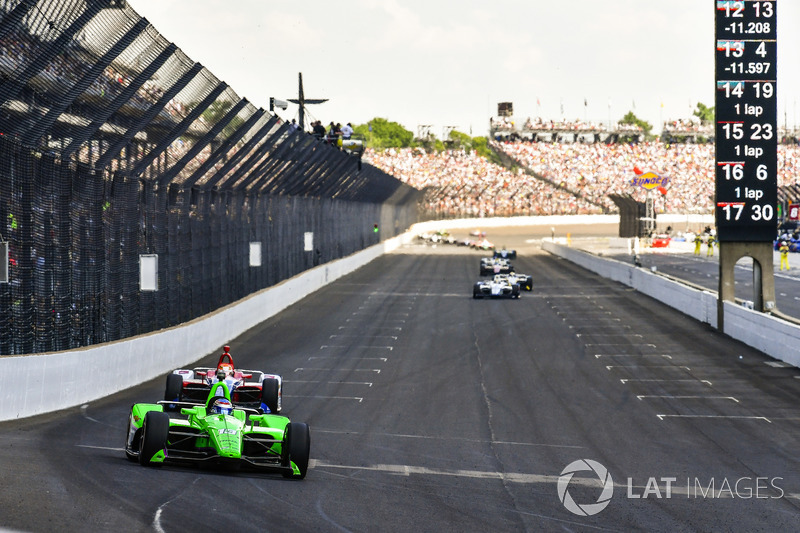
(773,336)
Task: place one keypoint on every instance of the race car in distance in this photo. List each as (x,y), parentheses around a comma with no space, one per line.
(495,288)
(524,281)
(483,244)
(214,432)
(505,254)
(494,265)
(249,388)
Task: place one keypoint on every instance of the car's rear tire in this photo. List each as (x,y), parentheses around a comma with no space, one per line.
(155,430)
(298,440)
(172,392)
(270,389)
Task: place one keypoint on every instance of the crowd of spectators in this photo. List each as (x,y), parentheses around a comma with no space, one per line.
(688,126)
(462,183)
(568,178)
(539,124)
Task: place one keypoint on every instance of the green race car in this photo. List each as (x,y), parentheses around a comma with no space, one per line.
(216,433)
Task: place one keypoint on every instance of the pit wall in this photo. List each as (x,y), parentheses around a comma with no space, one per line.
(47,382)
(774,336)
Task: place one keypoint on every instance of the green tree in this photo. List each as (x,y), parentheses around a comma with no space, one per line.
(704,113)
(479,144)
(631,118)
(382,134)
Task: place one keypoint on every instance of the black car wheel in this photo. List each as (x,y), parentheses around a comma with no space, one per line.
(298,441)
(155,430)
(172,392)
(269,394)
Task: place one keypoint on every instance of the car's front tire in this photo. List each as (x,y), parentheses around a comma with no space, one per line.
(155,430)
(298,440)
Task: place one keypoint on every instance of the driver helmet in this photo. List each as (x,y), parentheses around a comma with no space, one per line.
(222,406)
(224,370)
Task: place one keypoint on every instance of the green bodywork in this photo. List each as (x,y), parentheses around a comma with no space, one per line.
(256,440)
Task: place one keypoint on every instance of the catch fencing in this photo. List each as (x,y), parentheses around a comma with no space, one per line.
(114,145)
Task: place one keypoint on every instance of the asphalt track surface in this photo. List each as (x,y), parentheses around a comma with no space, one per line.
(431,411)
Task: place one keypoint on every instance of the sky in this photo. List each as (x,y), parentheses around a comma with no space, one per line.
(447,64)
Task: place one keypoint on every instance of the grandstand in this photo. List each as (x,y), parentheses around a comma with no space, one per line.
(543,177)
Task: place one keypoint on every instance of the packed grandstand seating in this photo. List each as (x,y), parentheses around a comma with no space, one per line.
(460,183)
(565,178)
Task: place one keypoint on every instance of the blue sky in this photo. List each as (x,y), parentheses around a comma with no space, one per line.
(447,64)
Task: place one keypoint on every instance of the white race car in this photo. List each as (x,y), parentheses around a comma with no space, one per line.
(495,265)
(505,254)
(524,281)
(495,288)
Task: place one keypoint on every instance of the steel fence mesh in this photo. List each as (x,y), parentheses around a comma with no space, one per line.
(115,145)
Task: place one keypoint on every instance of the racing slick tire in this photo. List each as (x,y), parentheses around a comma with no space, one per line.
(269,394)
(155,430)
(297,440)
(476,292)
(515,291)
(172,392)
